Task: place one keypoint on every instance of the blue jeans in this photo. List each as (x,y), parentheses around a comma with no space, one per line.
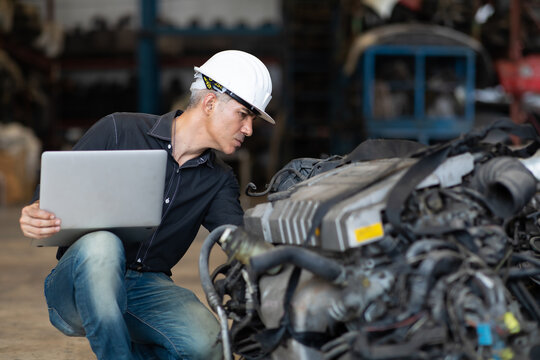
(126,314)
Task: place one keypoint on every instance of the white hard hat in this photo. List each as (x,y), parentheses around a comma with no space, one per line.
(240,75)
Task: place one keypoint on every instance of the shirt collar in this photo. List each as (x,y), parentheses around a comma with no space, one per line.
(162,130)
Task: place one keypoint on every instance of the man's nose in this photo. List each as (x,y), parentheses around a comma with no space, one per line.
(247,127)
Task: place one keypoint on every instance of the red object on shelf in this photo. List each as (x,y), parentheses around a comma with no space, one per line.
(414,5)
(520,76)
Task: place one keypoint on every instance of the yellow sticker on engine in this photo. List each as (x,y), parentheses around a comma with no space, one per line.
(369,232)
(511,323)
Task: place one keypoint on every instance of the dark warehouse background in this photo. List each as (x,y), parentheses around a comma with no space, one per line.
(343,71)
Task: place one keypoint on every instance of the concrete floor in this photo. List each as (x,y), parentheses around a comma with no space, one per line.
(25,331)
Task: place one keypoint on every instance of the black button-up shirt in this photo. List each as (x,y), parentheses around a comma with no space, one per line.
(203,191)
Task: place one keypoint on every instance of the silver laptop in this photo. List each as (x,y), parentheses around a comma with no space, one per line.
(120,190)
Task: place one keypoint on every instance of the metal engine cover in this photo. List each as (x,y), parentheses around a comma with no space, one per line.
(355,218)
(288,220)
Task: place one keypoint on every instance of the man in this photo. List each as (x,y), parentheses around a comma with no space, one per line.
(118,293)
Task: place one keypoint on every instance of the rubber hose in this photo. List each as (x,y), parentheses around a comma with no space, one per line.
(301,257)
(208,285)
(507,184)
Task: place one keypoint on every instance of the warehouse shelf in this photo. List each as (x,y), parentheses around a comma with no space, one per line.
(309,44)
(422,67)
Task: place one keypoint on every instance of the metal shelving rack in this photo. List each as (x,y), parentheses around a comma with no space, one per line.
(309,44)
(418,124)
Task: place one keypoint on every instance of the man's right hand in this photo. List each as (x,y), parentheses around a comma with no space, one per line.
(37,223)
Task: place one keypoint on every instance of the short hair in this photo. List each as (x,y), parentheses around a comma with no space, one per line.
(197,95)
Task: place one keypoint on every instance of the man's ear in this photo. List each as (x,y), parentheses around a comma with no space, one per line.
(209,103)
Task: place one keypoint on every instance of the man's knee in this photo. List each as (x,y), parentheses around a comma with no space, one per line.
(206,340)
(98,274)
(200,339)
(209,348)
(101,249)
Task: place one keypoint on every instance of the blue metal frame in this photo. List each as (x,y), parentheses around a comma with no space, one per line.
(420,126)
(148,70)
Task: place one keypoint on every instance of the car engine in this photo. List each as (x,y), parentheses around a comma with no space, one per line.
(433,254)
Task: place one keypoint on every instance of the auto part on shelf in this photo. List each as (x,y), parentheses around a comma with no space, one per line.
(431,256)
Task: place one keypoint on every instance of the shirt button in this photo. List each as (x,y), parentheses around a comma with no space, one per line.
(177,171)
(169,146)
(167,200)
